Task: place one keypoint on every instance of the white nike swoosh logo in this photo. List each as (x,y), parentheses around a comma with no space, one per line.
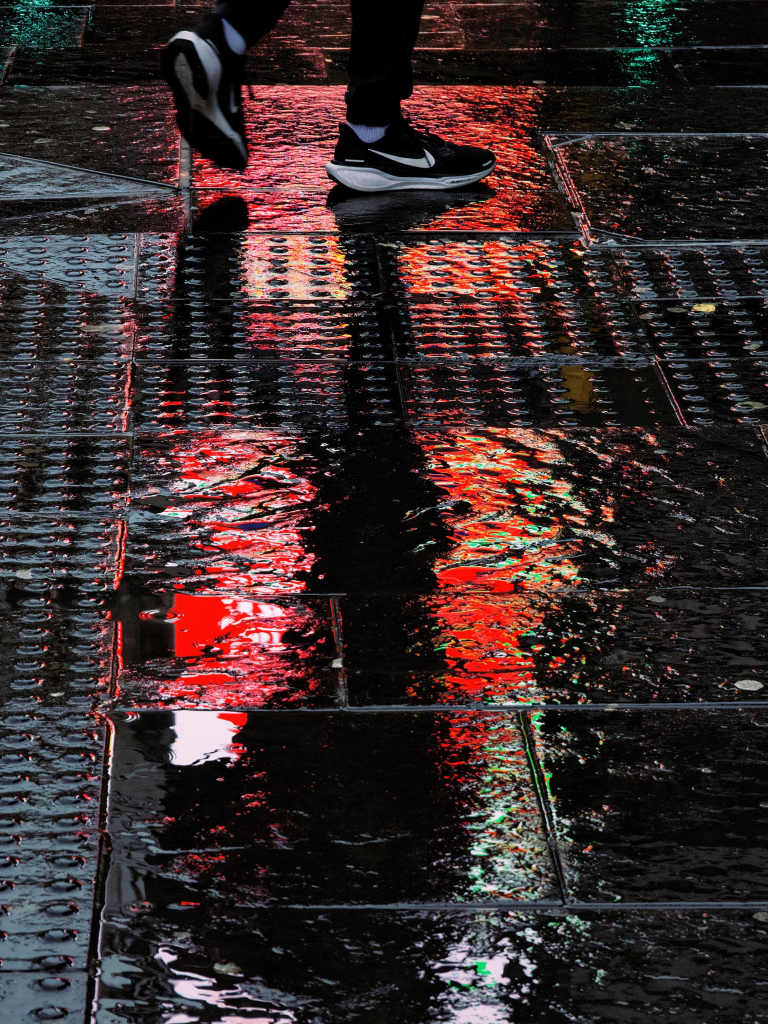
(423,161)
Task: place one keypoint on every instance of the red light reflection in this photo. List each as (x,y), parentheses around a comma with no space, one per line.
(508,543)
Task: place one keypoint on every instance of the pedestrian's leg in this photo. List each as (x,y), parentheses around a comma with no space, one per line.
(204,67)
(378,151)
(380,75)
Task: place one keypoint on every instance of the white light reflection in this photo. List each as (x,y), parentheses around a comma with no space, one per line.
(206,736)
(201,989)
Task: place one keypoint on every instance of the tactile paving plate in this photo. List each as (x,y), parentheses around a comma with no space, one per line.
(731,328)
(500,298)
(679,272)
(53,651)
(527,328)
(671,186)
(50,779)
(60,550)
(98,264)
(67,395)
(245,329)
(512,394)
(721,389)
(201,395)
(217,266)
(84,475)
(40,321)
(482,268)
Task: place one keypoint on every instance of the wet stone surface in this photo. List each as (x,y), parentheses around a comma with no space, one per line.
(383,577)
(307,790)
(659,808)
(570,646)
(493,966)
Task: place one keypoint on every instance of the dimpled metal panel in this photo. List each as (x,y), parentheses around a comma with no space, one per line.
(58,550)
(502,298)
(729,328)
(67,395)
(54,651)
(202,395)
(682,272)
(50,779)
(41,321)
(245,329)
(50,475)
(291,267)
(516,395)
(721,389)
(98,264)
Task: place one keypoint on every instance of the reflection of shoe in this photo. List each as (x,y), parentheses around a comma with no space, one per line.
(398,211)
(406,159)
(206,76)
(228,214)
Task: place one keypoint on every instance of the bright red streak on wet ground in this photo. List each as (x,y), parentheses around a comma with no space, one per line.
(243,505)
(506,554)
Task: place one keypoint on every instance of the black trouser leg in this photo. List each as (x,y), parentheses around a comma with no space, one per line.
(252,18)
(384,34)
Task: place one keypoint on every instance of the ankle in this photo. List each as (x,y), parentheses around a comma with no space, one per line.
(234,39)
(368,133)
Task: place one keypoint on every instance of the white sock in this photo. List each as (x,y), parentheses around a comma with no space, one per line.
(234,40)
(366,132)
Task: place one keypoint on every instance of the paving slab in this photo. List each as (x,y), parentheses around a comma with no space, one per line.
(335,966)
(123,129)
(573,646)
(667,187)
(44,28)
(205,651)
(304,790)
(523,197)
(658,808)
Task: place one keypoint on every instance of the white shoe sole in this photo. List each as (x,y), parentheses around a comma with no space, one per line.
(369,179)
(208,108)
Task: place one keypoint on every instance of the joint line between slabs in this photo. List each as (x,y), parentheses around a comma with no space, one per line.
(495,709)
(523,906)
(103,859)
(90,170)
(338,637)
(540,785)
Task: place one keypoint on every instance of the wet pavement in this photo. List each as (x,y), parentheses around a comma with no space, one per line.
(383,578)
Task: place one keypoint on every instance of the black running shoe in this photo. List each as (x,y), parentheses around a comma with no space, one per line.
(206,78)
(406,159)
